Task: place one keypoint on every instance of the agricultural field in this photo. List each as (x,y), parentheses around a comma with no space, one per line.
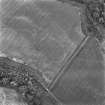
(55,51)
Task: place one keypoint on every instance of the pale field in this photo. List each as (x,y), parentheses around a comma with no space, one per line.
(47,33)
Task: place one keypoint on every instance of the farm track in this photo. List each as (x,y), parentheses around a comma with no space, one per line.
(68,61)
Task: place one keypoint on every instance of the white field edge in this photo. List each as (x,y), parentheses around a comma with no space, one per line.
(9,97)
